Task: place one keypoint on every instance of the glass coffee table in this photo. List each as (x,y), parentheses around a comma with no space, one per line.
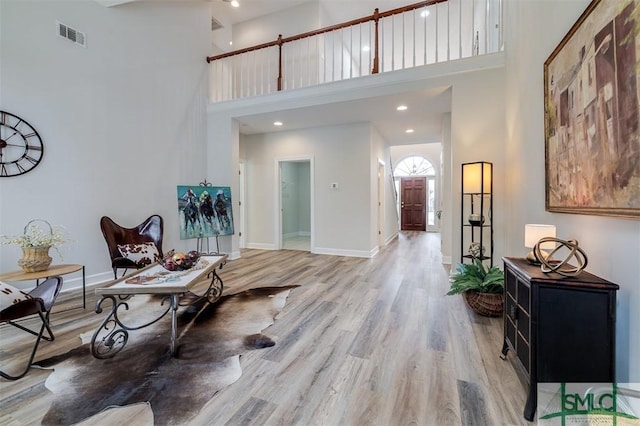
(112,334)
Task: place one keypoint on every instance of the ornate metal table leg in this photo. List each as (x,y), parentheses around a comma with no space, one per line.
(214,292)
(110,337)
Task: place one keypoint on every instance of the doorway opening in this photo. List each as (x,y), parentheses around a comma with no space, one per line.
(296,213)
(415,180)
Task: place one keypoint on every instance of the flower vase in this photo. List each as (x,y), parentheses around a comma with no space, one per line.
(35,259)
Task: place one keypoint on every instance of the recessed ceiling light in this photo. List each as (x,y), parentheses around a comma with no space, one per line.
(366,48)
(277,123)
(235,3)
(231,43)
(409,131)
(402,108)
(424,13)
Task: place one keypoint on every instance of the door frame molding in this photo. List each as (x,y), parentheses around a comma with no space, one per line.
(436,203)
(242,189)
(278,201)
(381,218)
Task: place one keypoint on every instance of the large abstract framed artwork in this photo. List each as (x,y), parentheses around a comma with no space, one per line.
(204,211)
(592,117)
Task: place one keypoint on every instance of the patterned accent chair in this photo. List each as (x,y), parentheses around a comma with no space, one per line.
(133,248)
(38,301)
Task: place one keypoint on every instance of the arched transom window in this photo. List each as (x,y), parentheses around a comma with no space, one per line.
(414,166)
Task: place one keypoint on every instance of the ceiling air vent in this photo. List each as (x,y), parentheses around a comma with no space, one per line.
(71,34)
(215,24)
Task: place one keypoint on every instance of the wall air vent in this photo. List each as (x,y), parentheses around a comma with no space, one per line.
(71,34)
(215,24)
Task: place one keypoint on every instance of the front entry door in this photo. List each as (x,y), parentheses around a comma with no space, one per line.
(412,203)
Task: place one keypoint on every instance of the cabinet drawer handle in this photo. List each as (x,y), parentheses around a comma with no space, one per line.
(513,313)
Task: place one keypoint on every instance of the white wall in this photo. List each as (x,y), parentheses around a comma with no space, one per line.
(337,11)
(288,22)
(391,219)
(381,153)
(446,202)
(122,120)
(376,151)
(612,245)
(478,134)
(341,155)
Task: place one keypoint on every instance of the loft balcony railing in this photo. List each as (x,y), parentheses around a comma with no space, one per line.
(420,34)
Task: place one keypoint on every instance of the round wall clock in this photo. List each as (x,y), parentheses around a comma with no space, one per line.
(21,147)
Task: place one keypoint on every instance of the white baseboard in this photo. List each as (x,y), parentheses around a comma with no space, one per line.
(73,283)
(234,255)
(348,253)
(261,246)
(391,238)
(328,251)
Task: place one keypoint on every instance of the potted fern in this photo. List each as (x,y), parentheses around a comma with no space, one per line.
(482,288)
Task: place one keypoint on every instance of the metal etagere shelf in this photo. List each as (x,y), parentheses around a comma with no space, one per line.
(476,218)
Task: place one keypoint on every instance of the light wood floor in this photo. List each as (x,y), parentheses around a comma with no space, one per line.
(297,242)
(361,342)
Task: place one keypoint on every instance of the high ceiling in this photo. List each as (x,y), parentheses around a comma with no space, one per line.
(425,108)
(251,9)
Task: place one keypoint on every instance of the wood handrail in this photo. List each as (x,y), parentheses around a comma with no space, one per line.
(376,16)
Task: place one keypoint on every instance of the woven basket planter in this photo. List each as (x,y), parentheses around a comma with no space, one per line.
(35,259)
(487,304)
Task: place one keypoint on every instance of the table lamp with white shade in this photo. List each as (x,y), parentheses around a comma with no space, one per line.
(533,233)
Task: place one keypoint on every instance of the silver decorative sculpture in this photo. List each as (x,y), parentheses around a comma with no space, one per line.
(476,250)
(548,264)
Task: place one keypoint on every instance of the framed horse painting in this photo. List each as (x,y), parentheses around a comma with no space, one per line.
(204,211)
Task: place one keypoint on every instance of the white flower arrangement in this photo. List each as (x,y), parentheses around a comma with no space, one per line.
(34,236)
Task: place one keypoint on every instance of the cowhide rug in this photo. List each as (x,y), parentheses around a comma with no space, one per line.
(175,388)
